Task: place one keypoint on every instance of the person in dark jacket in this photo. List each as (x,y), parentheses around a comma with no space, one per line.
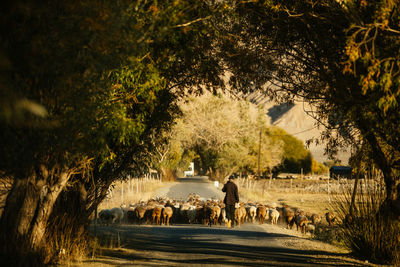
(231,198)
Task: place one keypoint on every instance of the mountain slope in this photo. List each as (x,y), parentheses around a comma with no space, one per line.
(293,118)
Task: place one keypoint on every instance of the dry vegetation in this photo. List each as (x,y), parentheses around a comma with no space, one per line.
(300,193)
(131,191)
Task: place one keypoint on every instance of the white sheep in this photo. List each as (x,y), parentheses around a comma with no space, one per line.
(117,215)
(274,214)
(223,216)
(252,212)
(311,229)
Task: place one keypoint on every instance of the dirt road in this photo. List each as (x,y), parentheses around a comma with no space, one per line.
(185,186)
(198,245)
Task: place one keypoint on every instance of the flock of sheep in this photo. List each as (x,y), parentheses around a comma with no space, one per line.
(196,210)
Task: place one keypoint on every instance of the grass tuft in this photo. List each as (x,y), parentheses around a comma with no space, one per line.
(369,233)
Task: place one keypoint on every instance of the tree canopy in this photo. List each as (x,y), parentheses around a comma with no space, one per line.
(340,56)
(87,86)
(226,135)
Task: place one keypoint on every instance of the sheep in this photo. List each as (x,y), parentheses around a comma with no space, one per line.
(215,213)
(237,217)
(301,222)
(288,215)
(156,215)
(167,214)
(205,215)
(262,213)
(140,213)
(183,211)
(223,216)
(252,213)
(131,215)
(117,215)
(330,218)
(105,216)
(274,215)
(242,213)
(315,219)
(200,213)
(311,229)
(191,214)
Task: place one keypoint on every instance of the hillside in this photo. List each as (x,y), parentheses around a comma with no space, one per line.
(295,121)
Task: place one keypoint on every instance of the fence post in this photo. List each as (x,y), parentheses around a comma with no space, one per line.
(329,191)
(291,184)
(263,188)
(122,192)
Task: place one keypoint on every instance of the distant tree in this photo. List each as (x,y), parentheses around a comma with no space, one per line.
(224,133)
(318,167)
(295,156)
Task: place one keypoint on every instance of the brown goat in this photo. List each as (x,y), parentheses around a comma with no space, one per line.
(140,213)
(261,213)
(156,215)
(167,215)
(215,213)
(242,214)
(288,215)
(301,222)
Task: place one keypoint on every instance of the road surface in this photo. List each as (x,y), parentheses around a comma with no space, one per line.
(199,185)
(198,245)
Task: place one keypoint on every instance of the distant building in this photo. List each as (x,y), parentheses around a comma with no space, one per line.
(336,172)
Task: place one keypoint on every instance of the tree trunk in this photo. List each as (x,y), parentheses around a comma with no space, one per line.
(353,195)
(390,207)
(24,220)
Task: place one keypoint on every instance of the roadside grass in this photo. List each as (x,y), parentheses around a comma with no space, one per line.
(370,232)
(131,191)
(311,196)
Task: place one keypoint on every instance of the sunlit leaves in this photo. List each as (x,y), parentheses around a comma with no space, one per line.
(373,54)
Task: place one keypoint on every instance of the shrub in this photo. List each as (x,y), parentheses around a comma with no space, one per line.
(368,232)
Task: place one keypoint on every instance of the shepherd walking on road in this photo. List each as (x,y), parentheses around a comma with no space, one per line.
(231,198)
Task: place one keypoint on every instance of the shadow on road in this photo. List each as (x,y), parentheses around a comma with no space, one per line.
(198,245)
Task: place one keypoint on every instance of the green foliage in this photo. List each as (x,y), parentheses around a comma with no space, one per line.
(295,155)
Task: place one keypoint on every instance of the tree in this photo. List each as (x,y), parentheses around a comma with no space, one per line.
(295,155)
(87,85)
(341,56)
(224,133)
